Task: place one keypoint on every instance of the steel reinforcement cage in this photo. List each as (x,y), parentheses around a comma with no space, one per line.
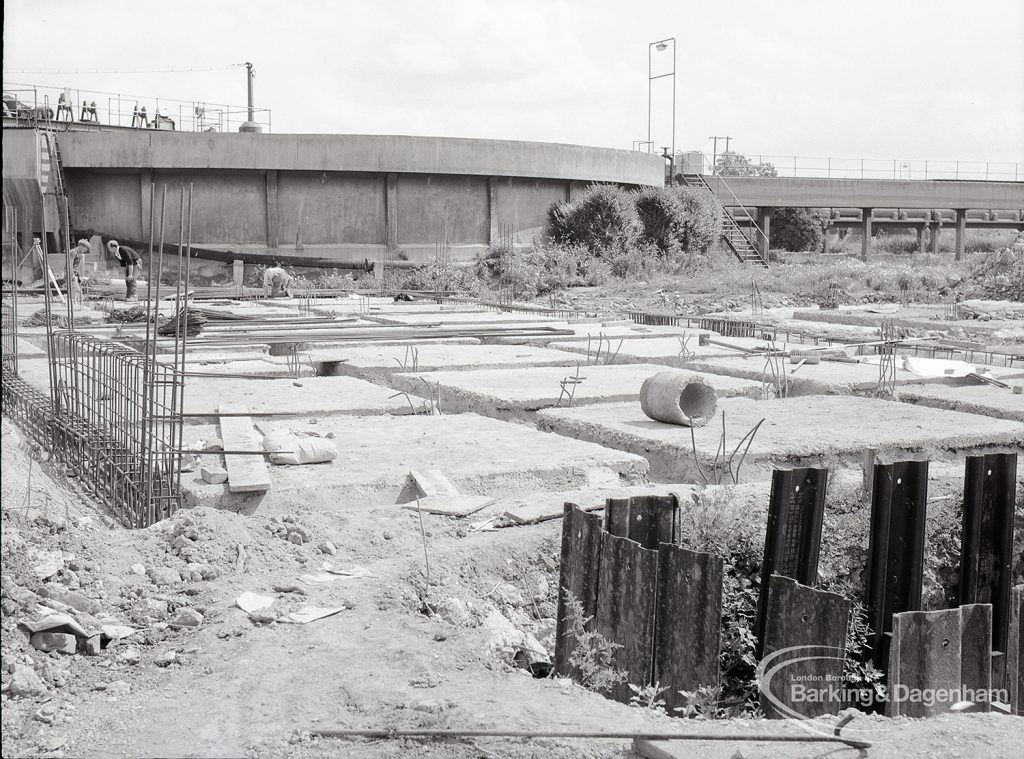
(117,419)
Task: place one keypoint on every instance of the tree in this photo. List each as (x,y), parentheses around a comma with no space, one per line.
(603,219)
(798,229)
(732,164)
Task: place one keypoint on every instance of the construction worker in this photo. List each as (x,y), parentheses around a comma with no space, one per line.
(130,260)
(276,281)
(74,278)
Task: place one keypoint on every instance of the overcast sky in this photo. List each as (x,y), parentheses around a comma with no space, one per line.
(914,79)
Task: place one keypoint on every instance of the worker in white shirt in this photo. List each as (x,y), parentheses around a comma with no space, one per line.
(276,281)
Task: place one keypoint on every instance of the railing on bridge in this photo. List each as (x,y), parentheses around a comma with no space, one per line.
(866,168)
(56,105)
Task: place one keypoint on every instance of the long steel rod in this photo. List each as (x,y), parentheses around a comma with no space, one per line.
(576,734)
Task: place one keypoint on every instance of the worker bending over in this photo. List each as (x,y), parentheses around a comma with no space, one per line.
(276,281)
(131,261)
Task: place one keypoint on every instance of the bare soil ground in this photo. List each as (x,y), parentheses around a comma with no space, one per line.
(401,654)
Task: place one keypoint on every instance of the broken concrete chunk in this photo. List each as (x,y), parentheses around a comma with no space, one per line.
(92,646)
(250,602)
(163,576)
(156,607)
(166,658)
(25,683)
(187,618)
(138,569)
(62,643)
(328,548)
(214,475)
(75,600)
(130,656)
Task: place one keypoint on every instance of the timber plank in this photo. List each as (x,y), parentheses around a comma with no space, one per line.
(689,620)
(976,650)
(578,574)
(626,600)
(247,473)
(924,654)
(809,624)
(432,482)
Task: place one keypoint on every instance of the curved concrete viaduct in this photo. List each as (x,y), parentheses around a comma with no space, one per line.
(327,197)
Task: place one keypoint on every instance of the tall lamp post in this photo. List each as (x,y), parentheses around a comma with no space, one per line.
(660,46)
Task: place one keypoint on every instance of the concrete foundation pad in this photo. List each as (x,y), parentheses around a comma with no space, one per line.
(660,350)
(810,431)
(986,400)
(311,396)
(378,362)
(255,368)
(458,317)
(376,454)
(824,378)
(515,393)
(915,316)
(584,332)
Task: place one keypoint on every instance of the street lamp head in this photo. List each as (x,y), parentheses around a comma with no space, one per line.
(660,46)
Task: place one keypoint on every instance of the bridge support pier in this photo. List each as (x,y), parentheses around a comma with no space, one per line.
(865,232)
(238,272)
(936,234)
(961,232)
(920,237)
(764,220)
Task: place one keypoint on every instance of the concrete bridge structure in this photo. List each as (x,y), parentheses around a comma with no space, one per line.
(335,200)
(871,204)
(325,199)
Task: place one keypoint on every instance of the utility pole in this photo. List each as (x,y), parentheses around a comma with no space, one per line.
(714,158)
(248,71)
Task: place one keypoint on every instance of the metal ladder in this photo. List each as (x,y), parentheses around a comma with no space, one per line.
(732,234)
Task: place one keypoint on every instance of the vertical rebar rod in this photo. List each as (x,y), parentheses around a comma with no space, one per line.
(149,385)
(184,344)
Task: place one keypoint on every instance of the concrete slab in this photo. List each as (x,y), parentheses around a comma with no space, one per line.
(377,362)
(315,397)
(591,331)
(659,350)
(457,317)
(986,400)
(376,454)
(916,316)
(825,378)
(809,431)
(265,368)
(515,394)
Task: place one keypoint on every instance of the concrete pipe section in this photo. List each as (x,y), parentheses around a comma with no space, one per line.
(676,398)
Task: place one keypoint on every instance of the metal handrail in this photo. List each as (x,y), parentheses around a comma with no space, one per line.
(750,219)
(828,167)
(120,108)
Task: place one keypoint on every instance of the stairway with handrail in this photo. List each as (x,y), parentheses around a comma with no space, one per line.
(733,236)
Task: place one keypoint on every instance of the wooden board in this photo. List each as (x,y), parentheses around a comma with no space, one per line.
(925,653)
(626,600)
(1014,682)
(647,519)
(533,513)
(247,473)
(813,624)
(578,574)
(451,506)
(432,482)
(689,622)
(976,649)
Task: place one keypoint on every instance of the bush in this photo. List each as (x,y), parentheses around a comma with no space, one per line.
(603,219)
(798,229)
(702,219)
(662,216)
